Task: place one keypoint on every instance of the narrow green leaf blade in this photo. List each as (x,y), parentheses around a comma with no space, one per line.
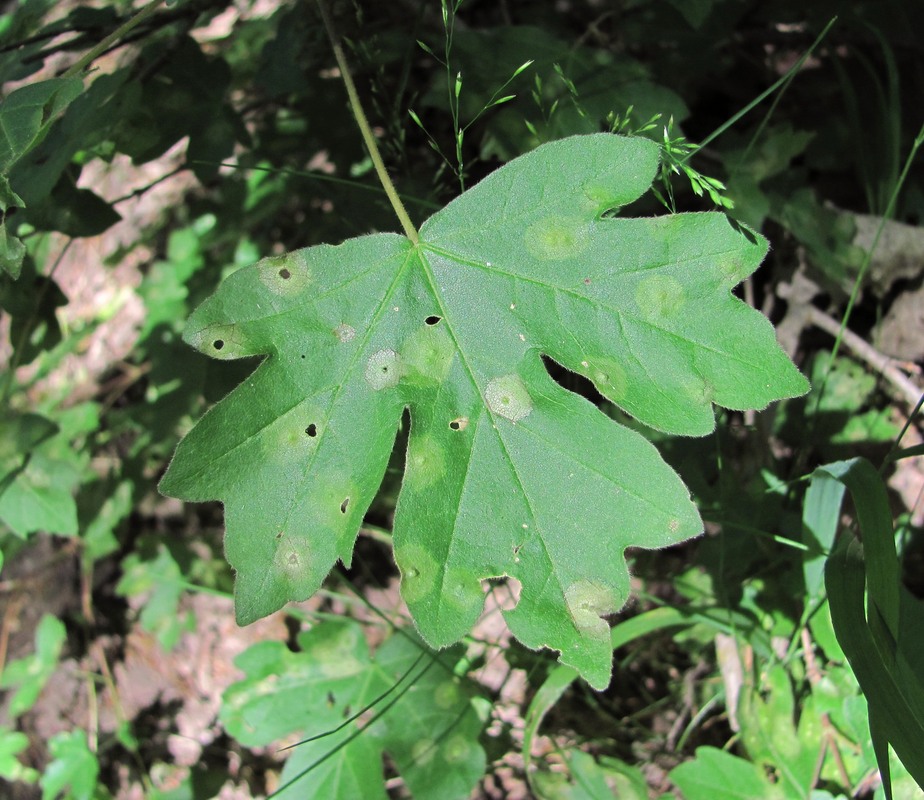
(879,642)
(892,719)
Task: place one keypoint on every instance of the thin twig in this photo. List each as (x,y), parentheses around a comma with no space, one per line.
(141,190)
(904,387)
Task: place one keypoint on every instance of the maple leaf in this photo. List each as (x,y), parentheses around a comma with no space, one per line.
(507,473)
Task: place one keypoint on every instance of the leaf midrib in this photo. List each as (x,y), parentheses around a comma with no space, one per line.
(437,295)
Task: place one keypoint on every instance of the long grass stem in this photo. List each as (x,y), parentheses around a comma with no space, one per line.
(409,230)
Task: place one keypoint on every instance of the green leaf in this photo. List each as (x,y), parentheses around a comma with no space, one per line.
(41,497)
(73,768)
(717,775)
(84,126)
(32,301)
(29,675)
(507,473)
(26,116)
(882,641)
(12,251)
(39,493)
(694,11)
(424,717)
(591,780)
(27,113)
(162,578)
(72,211)
(19,434)
(767,712)
(101,507)
(11,768)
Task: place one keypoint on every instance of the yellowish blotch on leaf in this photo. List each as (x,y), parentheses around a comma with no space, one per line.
(427,353)
(446,695)
(508,397)
(220,341)
(698,390)
(588,601)
(292,559)
(608,376)
(344,332)
(462,589)
(335,655)
(556,238)
(383,369)
(286,274)
(423,751)
(456,749)
(660,296)
(426,461)
(418,572)
(599,196)
(734,271)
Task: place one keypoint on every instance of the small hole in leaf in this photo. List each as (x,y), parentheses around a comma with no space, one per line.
(303,355)
(280,534)
(459,424)
(331,699)
(312,430)
(345,505)
(218,344)
(433,320)
(285,274)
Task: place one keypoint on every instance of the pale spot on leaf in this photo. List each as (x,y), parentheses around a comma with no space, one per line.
(507,396)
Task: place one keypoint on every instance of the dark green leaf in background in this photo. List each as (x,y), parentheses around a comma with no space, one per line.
(430,730)
(27,113)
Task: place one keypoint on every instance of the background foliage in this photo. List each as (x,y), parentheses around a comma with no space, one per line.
(209,135)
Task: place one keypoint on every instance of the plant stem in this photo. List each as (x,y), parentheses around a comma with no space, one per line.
(112,38)
(782,82)
(409,230)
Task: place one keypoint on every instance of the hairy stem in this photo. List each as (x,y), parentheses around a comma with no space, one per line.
(409,230)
